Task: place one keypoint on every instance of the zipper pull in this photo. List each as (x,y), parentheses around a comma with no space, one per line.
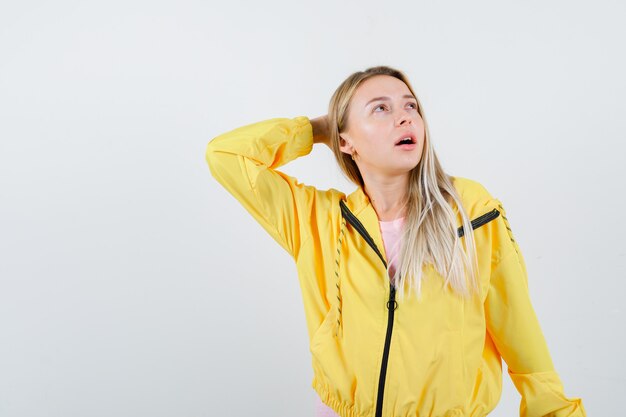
(392,298)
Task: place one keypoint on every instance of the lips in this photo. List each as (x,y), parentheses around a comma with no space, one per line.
(404,139)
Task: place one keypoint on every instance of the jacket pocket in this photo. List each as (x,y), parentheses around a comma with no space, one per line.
(328,357)
(324,333)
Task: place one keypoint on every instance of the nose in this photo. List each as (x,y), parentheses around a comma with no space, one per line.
(403,118)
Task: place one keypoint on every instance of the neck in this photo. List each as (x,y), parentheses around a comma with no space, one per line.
(387,195)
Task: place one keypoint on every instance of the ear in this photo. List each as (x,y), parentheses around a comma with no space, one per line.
(345,144)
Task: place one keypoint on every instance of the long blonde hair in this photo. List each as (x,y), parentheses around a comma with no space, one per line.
(430,231)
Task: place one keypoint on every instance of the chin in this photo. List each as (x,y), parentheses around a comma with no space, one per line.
(411,166)
(405,169)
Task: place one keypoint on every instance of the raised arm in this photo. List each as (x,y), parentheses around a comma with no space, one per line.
(244,162)
(515,330)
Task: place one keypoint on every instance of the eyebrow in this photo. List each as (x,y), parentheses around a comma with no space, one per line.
(387,98)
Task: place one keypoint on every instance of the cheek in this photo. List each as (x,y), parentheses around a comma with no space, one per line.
(419,124)
(368,131)
(368,138)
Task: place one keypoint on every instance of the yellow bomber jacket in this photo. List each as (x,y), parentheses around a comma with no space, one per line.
(372,355)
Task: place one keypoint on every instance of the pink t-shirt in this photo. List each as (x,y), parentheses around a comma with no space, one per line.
(391,232)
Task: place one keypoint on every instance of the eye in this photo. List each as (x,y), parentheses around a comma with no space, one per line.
(380,105)
(414,105)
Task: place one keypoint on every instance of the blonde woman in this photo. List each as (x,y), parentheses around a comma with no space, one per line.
(413,286)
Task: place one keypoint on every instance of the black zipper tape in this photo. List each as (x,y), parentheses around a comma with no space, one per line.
(352,219)
(356,223)
(480,220)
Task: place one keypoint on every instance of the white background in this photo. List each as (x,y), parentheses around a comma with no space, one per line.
(132,284)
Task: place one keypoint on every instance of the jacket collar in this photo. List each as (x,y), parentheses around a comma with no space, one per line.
(472,197)
(357,201)
(360,205)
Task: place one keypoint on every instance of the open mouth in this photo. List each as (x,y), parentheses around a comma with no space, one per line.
(406,140)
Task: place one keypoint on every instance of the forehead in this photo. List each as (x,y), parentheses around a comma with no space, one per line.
(380,85)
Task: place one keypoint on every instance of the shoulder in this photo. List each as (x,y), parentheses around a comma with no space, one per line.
(470,188)
(318,203)
(320,217)
(474,195)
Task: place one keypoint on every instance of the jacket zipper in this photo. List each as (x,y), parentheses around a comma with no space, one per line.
(392,301)
(356,223)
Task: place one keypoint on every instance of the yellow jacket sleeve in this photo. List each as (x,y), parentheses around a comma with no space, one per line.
(515,330)
(243,161)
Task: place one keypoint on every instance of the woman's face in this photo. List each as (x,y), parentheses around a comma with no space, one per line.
(382,112)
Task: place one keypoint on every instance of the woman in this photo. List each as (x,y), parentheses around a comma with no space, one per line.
(413,286)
